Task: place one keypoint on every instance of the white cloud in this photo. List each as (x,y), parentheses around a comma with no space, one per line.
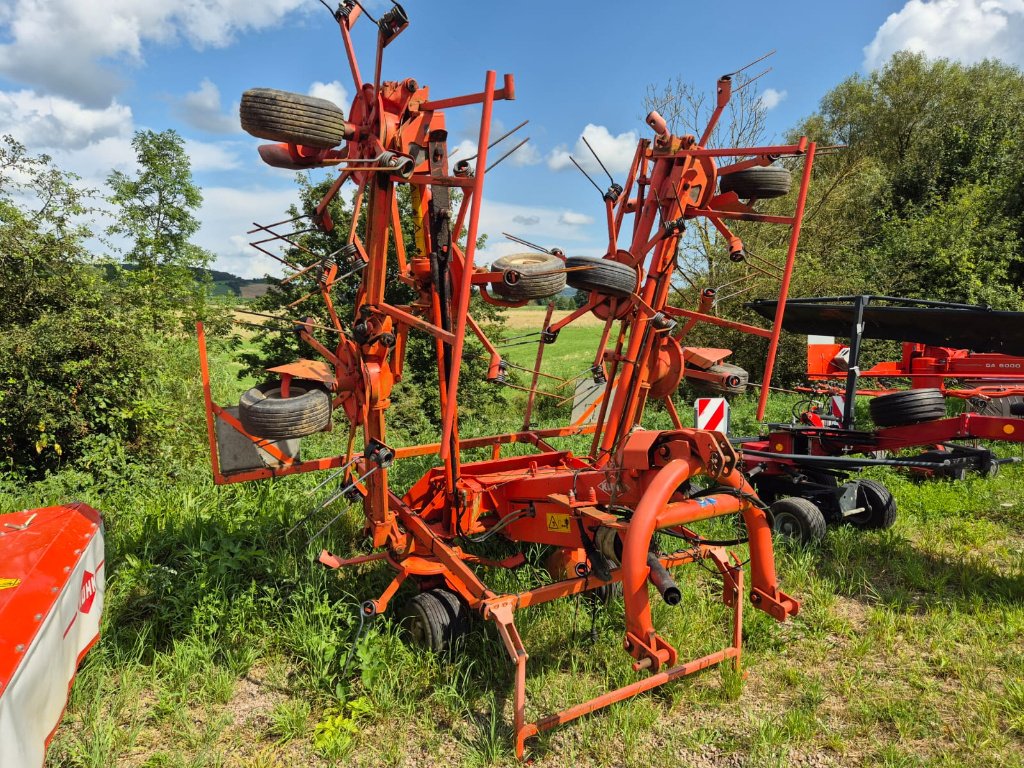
(965,30)
(497,217)
(202,110)
(771,98)
(95,161)
(527,154)
(58,44)
(548,227)
(211,156)
(333,91)
(52,122)
(227,214)
(573,219)
(464,150)
(616,152)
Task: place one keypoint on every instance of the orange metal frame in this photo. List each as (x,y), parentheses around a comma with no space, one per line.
(928,366)
(632,483)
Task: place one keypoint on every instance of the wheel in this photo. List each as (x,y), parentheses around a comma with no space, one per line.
(1003,407)
(292,117)
(798,519)
(264,413)
(762,182)
(817,487)
(436,620)
(540,275)
(604,594)
(988,466)
(879,506)
(734,380)
(604,276)
(911,407)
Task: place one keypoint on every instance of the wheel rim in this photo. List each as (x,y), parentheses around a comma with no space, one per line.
(418,632)
(862,518)
(525,261)
(787,525)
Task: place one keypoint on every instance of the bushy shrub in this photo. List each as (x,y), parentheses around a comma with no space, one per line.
(68,377)
(74,356)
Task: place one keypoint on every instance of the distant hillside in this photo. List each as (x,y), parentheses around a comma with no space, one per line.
(224,283)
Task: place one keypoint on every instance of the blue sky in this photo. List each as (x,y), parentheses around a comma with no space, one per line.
(77,77)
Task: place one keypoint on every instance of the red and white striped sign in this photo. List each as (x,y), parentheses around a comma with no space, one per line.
(836,405)
(712,413)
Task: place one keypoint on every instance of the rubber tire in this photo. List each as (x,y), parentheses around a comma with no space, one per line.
(540,275)
(436,620)
(991,468)
(605,594)
(603,276)
(761,182)
(911,407)
(880,507)
(798,519)
(722,389)
(264,413)
(770,488)
(294,118)
(999,407)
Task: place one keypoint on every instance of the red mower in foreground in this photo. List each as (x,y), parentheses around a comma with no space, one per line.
(598,510)
(52,579)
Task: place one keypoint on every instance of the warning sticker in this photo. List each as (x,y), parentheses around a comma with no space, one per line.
(9,583)
(558,523)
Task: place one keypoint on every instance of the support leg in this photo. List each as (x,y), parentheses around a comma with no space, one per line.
(500,611)
(737,617)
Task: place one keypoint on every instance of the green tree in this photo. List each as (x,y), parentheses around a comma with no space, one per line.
(156,214)
(72,363)
(415,408)
(925,200)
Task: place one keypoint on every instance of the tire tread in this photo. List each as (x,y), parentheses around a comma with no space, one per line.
(294,118)
(761,182)
(807,513)
(604,276)
(299,415)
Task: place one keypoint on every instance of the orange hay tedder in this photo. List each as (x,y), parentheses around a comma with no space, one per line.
(599,511)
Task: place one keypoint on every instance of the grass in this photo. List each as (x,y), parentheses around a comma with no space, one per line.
(224,644)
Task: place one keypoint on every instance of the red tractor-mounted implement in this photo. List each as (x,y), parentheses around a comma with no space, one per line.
(934,336)
(812,457)
(598,511)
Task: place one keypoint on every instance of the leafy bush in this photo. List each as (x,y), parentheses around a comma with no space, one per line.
(69,377)
(74,361)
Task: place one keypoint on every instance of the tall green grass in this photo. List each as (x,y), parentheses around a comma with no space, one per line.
(224,644)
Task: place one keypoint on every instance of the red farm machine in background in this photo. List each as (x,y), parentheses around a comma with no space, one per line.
(812,457)
(600,510)
(942,342)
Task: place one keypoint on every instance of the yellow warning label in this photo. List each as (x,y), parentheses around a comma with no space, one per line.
(558,523)
(9,583)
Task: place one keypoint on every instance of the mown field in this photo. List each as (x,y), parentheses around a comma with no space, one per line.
(225,645)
